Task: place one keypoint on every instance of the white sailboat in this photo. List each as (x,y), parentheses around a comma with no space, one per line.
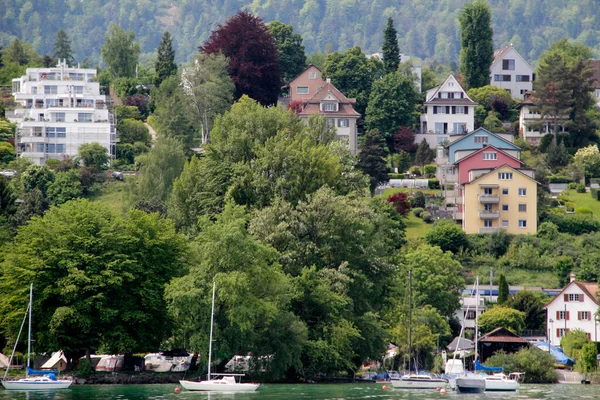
(500,382)
(415,380)
(227,383)
(47,380)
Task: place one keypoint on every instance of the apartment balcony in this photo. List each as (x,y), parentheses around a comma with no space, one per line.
(489,230)
(489,198)
(488,214)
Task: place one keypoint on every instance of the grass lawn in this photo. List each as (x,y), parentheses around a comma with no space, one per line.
(416,227)
(111,194)
(585,200)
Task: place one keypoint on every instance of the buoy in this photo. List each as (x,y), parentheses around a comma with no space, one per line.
(442,391)
(177,390)
(437,389)
(384,387)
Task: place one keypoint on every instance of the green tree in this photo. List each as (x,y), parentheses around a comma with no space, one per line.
(62,47)
(501,316)
(371,160)
(492,123)
(476,38)
(531,304)
(538,365)
(94,155)
(98,279)
(35,203)
(573,340)
(563,267)
(582,125)
(20,53)
(37,177)
(390,49)
(588,357)
(165,63)
(557,155)
(65,187)
(448,236)
(119,52)
(7,152)
(131,131)
(502,290)
(424,154)
(588,158)
(292,59)
(484,95)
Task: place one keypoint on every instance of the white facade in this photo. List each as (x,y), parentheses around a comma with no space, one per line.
(573,308)
(448,110)
(528,116)
(512,72)
(58,110)
(468,311)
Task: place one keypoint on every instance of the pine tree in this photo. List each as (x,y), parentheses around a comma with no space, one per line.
(581,126)
(165,64)
(391,51)
(371,159)
(62,47)
(477,50)
(502,290)
(424,154)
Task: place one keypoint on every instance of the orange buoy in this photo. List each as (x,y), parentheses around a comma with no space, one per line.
(442,391)
(384,387)
(177,390)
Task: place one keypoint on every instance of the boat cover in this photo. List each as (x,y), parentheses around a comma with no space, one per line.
(556,352)
(51,373)
(481,367)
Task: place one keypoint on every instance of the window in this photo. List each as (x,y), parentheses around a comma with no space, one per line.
(502,78)
(522,223)
(490,156)
(585,315)
(84,117)
(343,123)
(329,106)
(51,89)
(460,110)
(55,148)
(574,297)
(522,207)
(470,314)
(505,191)
(560,332)
(505,223)
(60,148)
(440,110)
(53,103)
(78,89)
(313,75)
(487,207)
(523,91)
(59,117)
(522,78)
(34,90)
(302,90)
(344,138)
(481,139)
(505,176)
(460,127)
(444,95)
(56,132)
(440,127)
(508,65)
(504,207)
(487,191)
(562,315)
(40,147)
(522,192)
(487,223)
(330,122)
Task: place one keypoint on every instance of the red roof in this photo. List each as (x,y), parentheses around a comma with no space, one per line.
(502,335)
(312,105)
(488,147)
(588,288)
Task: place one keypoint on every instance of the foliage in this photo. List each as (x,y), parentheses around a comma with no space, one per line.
(371,159)
(404,140)
(477,49)
(66,186)
(7,152)
(400,202)
(37,177)
(531,304)
(62,47)
(253,59)
(94,155)
(141,102)
(575,339)
(20,53)
(127,112)
(119,52)
(536,364)
(589,159)
(557,155)
(588,357)
(502,290)
(426,216)
(165,62)
(292,59)
(417,211)
(391,52)
(501,316)
(485,96)
(573,224)
(418,200)
(448,236)
(131,131)
(84,369)
(424,154)
(492,123)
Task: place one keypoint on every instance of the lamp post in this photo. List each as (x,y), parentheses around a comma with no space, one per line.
(551,321)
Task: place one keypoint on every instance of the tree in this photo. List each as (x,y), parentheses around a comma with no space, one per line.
(557,155)
(65,187)
(573,340)
(390,49)
(581,79)
(7,153)
(401,161)
(292,59)
(141,102)
(400,202)
(7,199)
(37,177)
(500,316)
(424,154)
(492,123)
(588,357)
(392,104)
(209,91)
(371,160)
(165,63)
(502,290)
(485,95)
(20,53)
(119,52)
(131,131)
(62,47)
(94,155)
(404,140)
(531,304)
(537,365)
(448,236)
(98,276)
(477,50)
(253,58)
(588,158)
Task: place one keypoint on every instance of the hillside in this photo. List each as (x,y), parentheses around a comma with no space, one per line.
(427,28)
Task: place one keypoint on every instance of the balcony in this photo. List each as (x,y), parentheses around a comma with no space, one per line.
(488,214)
(489,230)
(489,198)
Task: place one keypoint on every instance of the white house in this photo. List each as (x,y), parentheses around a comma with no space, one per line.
(530,128)
(468,311)
(512,72)
(573,308)
(448,109)
(58,110)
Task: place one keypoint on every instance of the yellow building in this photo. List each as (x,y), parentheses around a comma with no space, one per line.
(501,198)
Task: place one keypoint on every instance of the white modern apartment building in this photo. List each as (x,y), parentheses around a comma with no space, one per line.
(510,71)
(58,110)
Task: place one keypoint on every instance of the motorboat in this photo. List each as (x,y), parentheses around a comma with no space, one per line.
(168,361)
(47,380)
(500,382)
(419,381)
(470,383)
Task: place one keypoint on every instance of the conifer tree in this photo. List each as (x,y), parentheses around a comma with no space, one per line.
(477,50)
(165,64)
(62,47)
(390,49)
(502,290)
(424,154)
(371,159)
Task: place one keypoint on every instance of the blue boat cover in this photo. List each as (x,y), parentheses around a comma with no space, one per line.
(481,367)
(51,373)
(556,352)
(382,375)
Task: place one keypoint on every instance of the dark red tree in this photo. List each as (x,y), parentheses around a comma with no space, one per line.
(253,56)
(500,106)
(404,140)
(400,202)
(140,101)
(295,106)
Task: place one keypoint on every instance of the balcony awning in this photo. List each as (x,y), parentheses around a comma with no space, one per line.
(489,185)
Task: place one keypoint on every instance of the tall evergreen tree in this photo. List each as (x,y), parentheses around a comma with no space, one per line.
(292,59)
(502,290)
(390,49)
(477,50)
(424,154)
(119,52)
(371,159)
(581,80)
(165,64)
(62,47)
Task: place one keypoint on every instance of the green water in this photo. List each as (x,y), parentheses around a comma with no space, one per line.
(291,392)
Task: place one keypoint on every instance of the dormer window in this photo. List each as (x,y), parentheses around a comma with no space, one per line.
(313,75)
(329,106)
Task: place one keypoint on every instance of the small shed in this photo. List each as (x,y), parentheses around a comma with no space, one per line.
(500,339)
(58,361)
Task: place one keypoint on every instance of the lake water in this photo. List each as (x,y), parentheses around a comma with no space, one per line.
(291,392)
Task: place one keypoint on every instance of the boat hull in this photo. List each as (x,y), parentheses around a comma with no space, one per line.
(470,385)
(419,384)
(505,385)
(219,386)
(32,385)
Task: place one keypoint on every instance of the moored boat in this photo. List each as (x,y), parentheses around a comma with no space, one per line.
(470,384)
(419,381)
(499,382)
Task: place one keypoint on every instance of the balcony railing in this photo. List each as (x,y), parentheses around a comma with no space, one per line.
(489,198)
(488,230)
(485,214)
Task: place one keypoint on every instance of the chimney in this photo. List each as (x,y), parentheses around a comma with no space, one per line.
(328,80)
(572,276)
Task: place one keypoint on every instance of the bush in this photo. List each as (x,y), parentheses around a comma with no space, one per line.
(52,163)
(415,171)
(426,216)
(448,236)
(418,200)
(538,365)
(396,176)
(583,210)
(580,188)
(429,169)
(572,185)
(577,224)
(559,179)
(84,369)
(417,211)
(433,183)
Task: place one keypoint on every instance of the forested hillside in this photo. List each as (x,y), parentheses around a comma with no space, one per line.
(427,28)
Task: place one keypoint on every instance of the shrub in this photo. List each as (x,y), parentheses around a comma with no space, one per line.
(52,163)
(400,203)
(417,211)
(559,179)
(418,200)
(426,216)
(84,369)
(447,235)
(577,224)
(580,188)
(583,210)
(572,185)
(538,365)
(415,171)
(396,176)
(433,183)
(429,169)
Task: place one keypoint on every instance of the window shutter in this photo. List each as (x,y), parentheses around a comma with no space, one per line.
(557,332)
(435,109)
(566,297)
(578,315)
(466,110)
(439,95)
(447,109)
(558,315)
(589,335)
(453,109)
(462,95)
(567,316)
(581,298)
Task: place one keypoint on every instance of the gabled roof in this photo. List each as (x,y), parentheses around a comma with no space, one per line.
(329,89)
(500,167)
(303,71)
(433,99)
(312,106)
(479,130)
(588,288)
(489,147)
(498,54)
(502,335)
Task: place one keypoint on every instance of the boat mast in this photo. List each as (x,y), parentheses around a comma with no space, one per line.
(29,337)
(212,313)
(409,317)
(476,316)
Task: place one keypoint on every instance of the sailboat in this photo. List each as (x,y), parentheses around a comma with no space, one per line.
(227,382)
(47,380)
(471,383)
(415,380)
